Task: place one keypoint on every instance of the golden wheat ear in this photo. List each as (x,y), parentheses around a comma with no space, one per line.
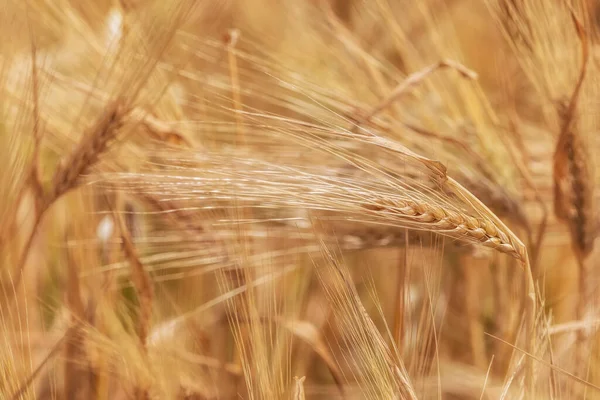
(70,170)
(573,192)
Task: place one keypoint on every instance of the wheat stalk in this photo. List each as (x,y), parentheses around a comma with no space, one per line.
(144,288)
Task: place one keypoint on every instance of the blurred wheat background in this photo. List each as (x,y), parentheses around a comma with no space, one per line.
(299,199)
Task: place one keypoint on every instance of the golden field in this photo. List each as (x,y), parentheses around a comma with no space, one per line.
(299,199)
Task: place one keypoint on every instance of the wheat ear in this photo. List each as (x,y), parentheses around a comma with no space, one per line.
(87,152)
(453,223)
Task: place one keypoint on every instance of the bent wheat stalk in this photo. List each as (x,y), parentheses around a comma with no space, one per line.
(413,80)
(144,290)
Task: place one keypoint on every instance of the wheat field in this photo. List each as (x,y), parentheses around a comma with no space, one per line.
(299,199)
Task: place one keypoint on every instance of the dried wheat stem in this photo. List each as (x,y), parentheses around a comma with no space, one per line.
(75,352)
(232,38)
(144,290)
(413,80)
(34,174)
(402,285)
(141,279)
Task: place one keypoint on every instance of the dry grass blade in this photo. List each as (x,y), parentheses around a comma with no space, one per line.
(486,379)
(529,286)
